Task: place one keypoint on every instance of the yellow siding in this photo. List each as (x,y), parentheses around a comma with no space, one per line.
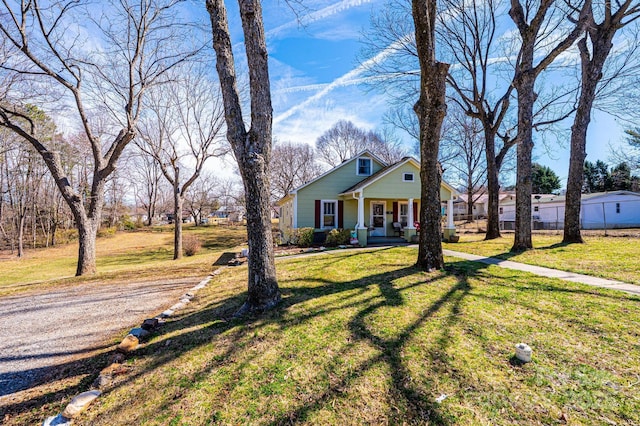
(328,188)
(286,220)
(391,184)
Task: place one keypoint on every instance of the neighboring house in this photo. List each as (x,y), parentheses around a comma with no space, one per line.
(547,212)
(363,194)
(480,205)
(169,217)
(233,213)
(600,210)
(607,210)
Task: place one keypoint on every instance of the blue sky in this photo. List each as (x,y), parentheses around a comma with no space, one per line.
(315,76)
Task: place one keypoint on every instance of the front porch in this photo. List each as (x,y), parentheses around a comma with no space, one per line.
(392,221)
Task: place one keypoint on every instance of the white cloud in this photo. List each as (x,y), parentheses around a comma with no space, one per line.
(318,15)
(350,104)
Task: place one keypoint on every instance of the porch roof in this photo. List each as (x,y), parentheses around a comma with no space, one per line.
(380,174)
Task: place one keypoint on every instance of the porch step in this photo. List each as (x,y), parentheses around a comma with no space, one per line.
(372,241)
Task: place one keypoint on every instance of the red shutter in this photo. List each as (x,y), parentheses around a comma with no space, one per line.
(317,225)
(340,214)
(416,218)
(395,211)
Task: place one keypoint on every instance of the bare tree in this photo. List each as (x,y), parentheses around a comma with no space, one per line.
(595,47)
(431,109)
(386,145)
(22,176)
(201,198)
(537,27)
(466,148)
(183,130)
(146,178)
(345,140)
(252,147)
(292,165)
(50,64)
(471,36)
(468,32)
(230,193)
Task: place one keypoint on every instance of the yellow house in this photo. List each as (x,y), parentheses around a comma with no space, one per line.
(366,195)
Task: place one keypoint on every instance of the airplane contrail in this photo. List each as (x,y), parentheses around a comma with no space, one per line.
(344,80)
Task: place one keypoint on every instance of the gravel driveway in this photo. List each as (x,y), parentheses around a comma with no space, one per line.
(42,330)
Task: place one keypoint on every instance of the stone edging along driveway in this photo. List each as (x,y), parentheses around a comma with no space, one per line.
(128,345)
(46,333)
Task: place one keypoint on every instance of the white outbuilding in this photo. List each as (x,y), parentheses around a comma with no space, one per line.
(600,210)
(610,210)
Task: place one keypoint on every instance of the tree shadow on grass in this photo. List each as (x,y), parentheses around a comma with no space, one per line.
(509,254)
(198,328)
(356,299)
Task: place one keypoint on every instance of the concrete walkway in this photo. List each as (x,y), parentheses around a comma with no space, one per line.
(548,272)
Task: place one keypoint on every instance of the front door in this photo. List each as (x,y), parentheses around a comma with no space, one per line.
(378,219)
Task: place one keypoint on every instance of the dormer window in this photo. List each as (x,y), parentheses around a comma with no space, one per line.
(364,166)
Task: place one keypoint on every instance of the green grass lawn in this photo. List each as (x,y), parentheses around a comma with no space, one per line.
(141,254)
(606,257)
(364,338)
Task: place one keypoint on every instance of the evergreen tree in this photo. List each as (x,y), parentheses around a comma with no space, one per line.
(544,180)
(621,177)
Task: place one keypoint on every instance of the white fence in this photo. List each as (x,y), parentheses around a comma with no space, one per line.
(594,215)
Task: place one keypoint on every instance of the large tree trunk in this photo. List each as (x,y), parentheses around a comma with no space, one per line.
(493,188)
(177,223)
(576,166)
(601,38)
(531,21)
(87,231)
(252,148)
(469,200)
(525,82)
(524,183)
(431,109)
(264,292)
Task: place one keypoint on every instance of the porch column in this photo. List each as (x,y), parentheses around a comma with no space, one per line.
(450,224)
(410,219)
(360,228)
(410,230)
(361,212)
(450,229)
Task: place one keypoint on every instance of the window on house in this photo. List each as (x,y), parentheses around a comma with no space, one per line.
(536,208)
(617,207)
(407,177)
(364,166)
(329,213)
(501,210)
(403,217)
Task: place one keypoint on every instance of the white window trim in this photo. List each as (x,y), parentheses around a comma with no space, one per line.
(400,204)
(322,203)
(413,177)
(358,166)
(384,214)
